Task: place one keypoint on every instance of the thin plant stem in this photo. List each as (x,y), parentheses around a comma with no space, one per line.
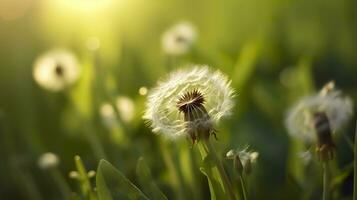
(61,182)
(355,167)
(326,181)
(244,187)
(222,173)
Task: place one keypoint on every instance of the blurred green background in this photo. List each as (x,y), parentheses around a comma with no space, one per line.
(274,51)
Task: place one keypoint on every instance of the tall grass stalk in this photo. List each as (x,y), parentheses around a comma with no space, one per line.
(326,181)
(355,167)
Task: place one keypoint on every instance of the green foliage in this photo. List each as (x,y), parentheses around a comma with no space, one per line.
(112,184)
(147,182)
(275,52)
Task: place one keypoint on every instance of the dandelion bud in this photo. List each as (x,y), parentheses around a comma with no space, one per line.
(243,160)
(48,160)
(237,164)
(325,144)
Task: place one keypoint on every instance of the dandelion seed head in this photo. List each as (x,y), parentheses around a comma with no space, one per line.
(126,108)
(179,39)
(338,109)
(196,85)
(48,160)
(107,114)
(56,70)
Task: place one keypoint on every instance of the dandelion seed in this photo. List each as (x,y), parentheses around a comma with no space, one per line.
(179,39)
(314,119)
(188,102)
(56,70)
(126,108)
(48,160)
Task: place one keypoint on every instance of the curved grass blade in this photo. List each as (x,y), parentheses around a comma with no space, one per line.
(112,184)
(147,182)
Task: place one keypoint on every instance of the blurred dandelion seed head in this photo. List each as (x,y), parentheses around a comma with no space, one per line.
(179,39)
(338,108)
(56,70)
(126,108)
(162,111)
(48,160)
(107,115)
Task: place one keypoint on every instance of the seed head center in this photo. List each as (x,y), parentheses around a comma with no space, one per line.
(190,101)
(59,70)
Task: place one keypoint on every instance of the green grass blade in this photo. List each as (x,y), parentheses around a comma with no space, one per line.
(112,184)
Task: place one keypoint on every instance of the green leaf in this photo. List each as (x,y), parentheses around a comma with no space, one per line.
(112,184)
(214,182)
(147,182)
(245,65)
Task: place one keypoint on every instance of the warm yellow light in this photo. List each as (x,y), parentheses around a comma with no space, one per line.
(84,5)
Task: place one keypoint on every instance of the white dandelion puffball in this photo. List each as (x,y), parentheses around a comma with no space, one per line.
(179,39)
(48,160)
(162,111)
(55,70)
(338,108)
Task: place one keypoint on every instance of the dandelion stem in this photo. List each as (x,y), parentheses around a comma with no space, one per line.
(244,188)
(355,167)
(222,173)
(326,181)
